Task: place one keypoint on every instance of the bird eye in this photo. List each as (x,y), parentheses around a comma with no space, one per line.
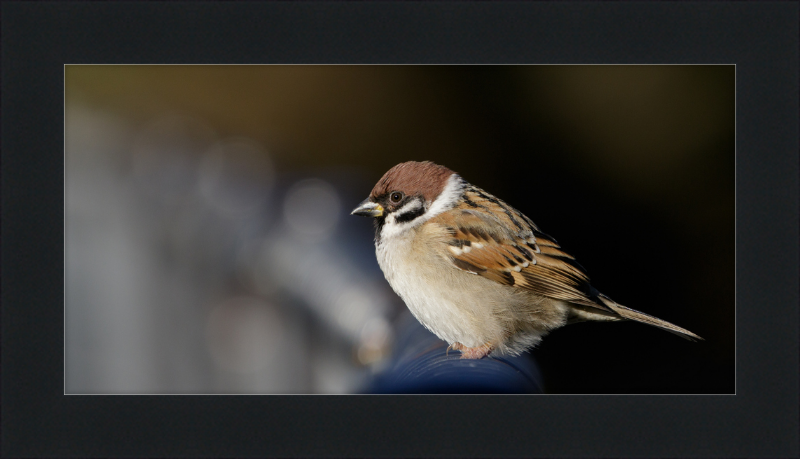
(396,197)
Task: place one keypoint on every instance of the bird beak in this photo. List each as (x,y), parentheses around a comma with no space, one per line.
(368,209)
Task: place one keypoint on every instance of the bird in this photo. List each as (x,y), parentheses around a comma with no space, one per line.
(476,272)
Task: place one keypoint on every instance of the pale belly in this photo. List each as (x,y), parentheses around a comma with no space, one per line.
(457,306)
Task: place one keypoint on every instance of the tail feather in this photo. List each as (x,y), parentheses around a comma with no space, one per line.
(632,314)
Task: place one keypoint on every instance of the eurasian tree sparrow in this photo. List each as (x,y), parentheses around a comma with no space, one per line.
(475,271)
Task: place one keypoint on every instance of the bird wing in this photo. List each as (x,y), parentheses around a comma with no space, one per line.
(515,253)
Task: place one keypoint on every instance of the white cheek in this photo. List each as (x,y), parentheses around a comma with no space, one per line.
(412,205)
(392,229)
(446,200)
(448,197)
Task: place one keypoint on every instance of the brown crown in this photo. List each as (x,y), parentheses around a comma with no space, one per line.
(414,178)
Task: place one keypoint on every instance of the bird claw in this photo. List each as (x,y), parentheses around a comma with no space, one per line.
(471,352)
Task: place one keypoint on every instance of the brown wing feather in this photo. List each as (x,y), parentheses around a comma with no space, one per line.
(515,253)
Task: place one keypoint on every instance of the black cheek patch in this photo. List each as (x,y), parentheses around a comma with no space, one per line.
(410,215)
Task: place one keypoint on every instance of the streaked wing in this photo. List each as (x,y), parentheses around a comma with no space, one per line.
(515,253)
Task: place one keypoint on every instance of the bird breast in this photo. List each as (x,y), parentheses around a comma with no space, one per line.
(455,305)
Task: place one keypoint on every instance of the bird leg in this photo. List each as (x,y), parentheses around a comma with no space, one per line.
(472,352)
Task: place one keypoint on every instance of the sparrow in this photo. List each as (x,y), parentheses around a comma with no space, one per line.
(476,272)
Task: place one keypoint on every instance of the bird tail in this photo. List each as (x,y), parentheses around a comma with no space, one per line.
(632,314)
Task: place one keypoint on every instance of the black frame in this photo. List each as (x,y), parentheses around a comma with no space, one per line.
(760,38)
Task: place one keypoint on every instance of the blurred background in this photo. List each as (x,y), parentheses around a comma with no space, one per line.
(209,247)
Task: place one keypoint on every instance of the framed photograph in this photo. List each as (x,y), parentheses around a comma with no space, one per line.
(184,275)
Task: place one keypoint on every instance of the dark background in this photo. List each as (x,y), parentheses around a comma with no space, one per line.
(761,419)
(630,168)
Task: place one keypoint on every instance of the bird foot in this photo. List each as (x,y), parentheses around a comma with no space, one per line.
(472,352)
